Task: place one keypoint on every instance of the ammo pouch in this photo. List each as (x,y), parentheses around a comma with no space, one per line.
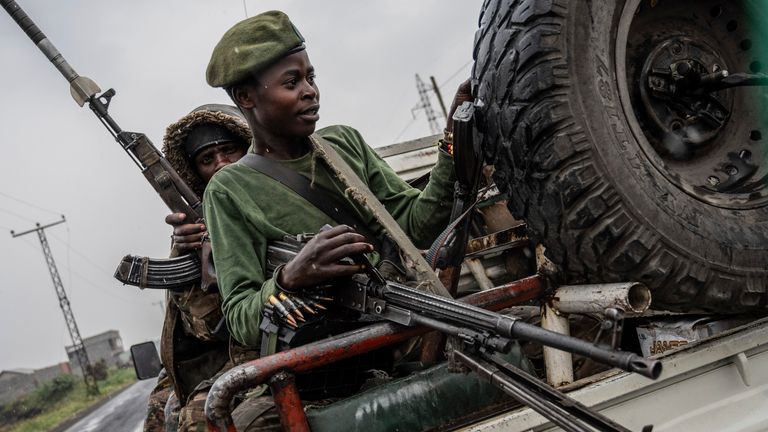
(201,313)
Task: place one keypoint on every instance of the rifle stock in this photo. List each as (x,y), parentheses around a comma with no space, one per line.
(174,192)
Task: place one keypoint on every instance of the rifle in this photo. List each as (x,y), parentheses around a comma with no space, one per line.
(370,293)
(178,196)
(481,333)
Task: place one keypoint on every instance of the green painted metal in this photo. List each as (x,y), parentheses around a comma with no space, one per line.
(424,400)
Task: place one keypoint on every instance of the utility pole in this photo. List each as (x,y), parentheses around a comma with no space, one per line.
(439,95)
(426,105)
(69,317)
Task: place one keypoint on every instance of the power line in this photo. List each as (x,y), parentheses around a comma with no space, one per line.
(99,287)
(455,73)
(12,213)
(83,256)
(410,123)
(394,112)
(30,204)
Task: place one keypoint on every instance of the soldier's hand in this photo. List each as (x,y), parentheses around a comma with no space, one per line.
(319,260)
(463,94)
(186,237)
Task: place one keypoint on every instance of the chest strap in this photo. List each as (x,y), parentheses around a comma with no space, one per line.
(341,170)
(319,197)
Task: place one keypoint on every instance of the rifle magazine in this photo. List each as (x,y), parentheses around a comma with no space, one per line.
(159,273)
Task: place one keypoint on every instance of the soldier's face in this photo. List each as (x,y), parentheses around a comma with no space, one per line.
(286,98)
(213,158)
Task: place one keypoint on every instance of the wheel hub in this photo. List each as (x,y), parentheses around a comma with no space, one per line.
(694,95)
(683,122)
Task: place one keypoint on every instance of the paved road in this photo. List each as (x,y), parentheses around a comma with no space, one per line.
(124,413)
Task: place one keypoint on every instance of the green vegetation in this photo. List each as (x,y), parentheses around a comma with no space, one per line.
(58,401)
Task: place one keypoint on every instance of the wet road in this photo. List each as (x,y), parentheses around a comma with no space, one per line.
(124,413)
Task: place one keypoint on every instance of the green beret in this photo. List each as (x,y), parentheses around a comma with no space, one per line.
(250,46)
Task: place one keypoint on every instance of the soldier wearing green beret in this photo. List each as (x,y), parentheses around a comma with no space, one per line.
(263,65)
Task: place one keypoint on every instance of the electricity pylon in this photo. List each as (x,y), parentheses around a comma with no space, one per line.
(69,317)
(426,105)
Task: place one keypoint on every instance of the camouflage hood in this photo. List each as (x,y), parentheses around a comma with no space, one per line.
(175,135)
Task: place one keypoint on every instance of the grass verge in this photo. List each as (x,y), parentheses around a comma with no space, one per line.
(74,402)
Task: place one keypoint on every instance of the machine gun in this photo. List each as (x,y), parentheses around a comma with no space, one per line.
(482,333)
(178,196)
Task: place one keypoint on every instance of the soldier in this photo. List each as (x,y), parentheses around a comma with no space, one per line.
(158,400)
(195,345)
(262,64)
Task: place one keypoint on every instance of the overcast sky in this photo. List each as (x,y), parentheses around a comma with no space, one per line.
(58,159)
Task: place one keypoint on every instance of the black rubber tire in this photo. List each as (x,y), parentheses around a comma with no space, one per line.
(550,117)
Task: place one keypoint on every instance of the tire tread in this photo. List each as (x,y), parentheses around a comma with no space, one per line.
(544,160)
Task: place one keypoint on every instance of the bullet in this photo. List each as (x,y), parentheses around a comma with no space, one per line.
(301,304)
(291,306)
(317,305)
(282,311)
(318,297)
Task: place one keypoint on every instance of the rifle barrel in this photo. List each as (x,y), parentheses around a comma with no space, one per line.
(39,38)
(473,317)
(81,88)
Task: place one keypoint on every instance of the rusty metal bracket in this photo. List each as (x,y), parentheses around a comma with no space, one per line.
(497,242)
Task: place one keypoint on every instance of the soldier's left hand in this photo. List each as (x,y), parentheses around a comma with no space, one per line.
(186,237)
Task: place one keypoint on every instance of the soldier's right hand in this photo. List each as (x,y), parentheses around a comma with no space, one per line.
(186,237)
(320,259)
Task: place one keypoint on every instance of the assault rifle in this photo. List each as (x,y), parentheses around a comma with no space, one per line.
(482,334)
(177,195)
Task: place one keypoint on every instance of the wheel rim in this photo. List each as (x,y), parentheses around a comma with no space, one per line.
(707,143)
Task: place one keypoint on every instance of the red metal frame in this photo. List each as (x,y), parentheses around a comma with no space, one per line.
(310,356)
(288,402)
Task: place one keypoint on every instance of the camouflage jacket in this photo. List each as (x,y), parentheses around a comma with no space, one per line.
(195,344)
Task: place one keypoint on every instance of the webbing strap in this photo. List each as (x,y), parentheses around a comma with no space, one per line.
(359,192)
(271,346)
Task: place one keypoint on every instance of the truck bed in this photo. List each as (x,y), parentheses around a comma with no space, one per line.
(716,384)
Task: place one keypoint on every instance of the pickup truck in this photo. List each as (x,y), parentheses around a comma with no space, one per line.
(713,379)
(713,364)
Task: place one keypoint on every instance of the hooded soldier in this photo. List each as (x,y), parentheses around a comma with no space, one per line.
(205,127)
(195,343)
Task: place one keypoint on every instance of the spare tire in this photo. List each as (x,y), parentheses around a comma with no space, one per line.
(622,145)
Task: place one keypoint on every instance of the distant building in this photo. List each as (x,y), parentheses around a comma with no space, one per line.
(16,383)
(105,346)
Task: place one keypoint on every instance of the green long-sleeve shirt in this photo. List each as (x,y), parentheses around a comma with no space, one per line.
(245,209)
